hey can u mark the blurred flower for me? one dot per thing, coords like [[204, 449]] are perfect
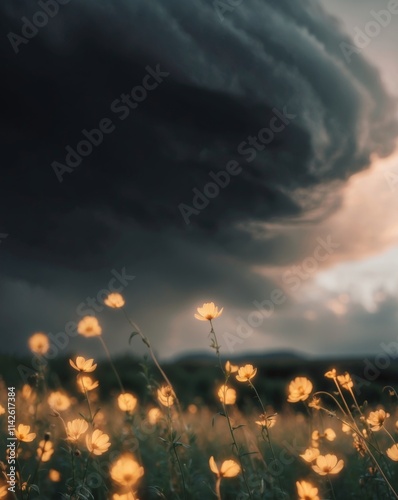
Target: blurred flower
[[327, 464], [328, 434], [393, 452], [208, 312], [345, 381], [22, 433], [299, 389], [166, 395], [89, 327], [306, 491], [86, 383], [124, 496], [331, 374], [2, 410], [192, 409], [76, 428], [315, 403], [3, 491], [346, 428], [154, 414], [45, 450], [83, 364], [126, 471], [376, 419], [98, 443], [54, 476], [310, 454], [266, 422], [127, 402], [39, 343], [227, 395], [229, 368], [27, 392], [246, 373], [229, 468], [114, 300], [58, 401]]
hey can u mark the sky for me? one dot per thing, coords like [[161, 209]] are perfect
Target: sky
[[244, 155]]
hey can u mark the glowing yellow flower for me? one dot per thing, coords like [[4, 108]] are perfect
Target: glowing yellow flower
[[229, 468], [310, 454], [154, 415], [346, 428], [114, 300], [83, 365], [124, 496], [127, 402], [327, 464], [376, 419], [227, 395], [39, 343], [306, 491], [328, 434], [345, 381], [315, 403], [393, 452], [22, 433], [299, 389], [208, 312], [28, 393], [98, 443], [54, 475], [45, 450], [86, 383], [58, 401], [3, 491], [246, 373], [126, 471], [2, 410], [230, 368], [76, 428], [166, 396], [266, 422], [331, 373], [89, 327]]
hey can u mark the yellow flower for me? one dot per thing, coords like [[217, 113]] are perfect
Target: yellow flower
[[126, 471], [124, 496], [22, 433], [345, 381], [89, 327], [299, 389], [54, 475], [346, 428], [28, 393], [310, 454], [208, 312], [98, 443], [45, 450], [86, 383], [376, 419], [114, 300], [328, 434], [76, 428], [39, 343], [127, 402], [83, 365], [227, 395], [246, 373], [315, 403], [266, 422], [327, 464], [229, 468], [3, 491], [331, 373], [306, 491], [166, 396], [2, 410], [393, 452], [58, 401], [229, 368], [154, 415]]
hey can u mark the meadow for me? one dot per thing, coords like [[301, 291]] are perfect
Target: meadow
[[201, 428]]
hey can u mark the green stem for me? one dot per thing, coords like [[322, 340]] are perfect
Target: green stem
[[111, 363]]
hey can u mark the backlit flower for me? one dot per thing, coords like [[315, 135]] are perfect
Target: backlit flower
[[266, 422], [299, 389], [54, 475], [76, 428], [45, 450], [328, 464], [328, 434], [230, 368], [114, 300], [393, 452], [376, 419], [315, 403], [89, 327], [208, 312], [126, 471], [98, 443], [58, 401], [3, 491], [22, 433], [39, 343], [310, 454], [229, 468], [345, 381], [28, 393], [127, 402], [166, 396], [306, 491], [83, 365], [2, 410], [86, 383], [124, 496], [154, 415], [246, 373], [227, 395], [331, 373]]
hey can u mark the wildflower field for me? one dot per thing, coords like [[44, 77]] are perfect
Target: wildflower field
[[85, 436]]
